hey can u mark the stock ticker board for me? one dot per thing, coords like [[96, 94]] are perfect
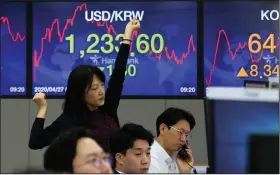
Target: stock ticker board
[[241, 41], [162, 61], [13, 48]]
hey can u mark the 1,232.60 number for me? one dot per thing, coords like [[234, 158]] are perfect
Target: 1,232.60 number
[[143, 46]]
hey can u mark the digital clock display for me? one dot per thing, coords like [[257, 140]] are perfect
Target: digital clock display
[[162, 60]]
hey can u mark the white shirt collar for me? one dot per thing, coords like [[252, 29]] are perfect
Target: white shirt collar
[[161, 162], [162, 154]]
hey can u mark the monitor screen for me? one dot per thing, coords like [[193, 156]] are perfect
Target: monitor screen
[[263, 154], [162, 61], [233, 124], [241, 41], [13, 48]]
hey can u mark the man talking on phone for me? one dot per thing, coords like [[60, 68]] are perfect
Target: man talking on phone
[[170, 153]]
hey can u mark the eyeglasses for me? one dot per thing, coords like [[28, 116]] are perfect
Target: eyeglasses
[[182, 134], [98, 161]]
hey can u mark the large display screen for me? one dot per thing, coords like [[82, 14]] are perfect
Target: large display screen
[[162, 60], [233, 127], [13, 48], [241, 41]]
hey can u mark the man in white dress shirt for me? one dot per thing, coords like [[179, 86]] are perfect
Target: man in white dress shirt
[[173, 131]]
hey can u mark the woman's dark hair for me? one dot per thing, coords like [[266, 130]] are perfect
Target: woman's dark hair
[[79, 80]]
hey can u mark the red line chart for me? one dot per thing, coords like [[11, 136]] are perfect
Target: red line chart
[[15, 37], [241, 46], [61, 30]]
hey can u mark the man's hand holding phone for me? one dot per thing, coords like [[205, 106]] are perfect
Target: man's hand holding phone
[[185, 166]]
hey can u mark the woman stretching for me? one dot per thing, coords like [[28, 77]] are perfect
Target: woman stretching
[[85, 102]]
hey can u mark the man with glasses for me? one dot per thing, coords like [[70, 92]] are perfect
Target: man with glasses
[[173, 132], [131, 148], [76, 151]]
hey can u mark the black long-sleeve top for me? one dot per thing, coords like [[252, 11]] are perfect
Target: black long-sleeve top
[[104, 121]]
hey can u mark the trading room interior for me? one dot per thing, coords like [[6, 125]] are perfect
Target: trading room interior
[[132, 62]]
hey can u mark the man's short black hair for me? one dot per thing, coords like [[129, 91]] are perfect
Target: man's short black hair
[[61, 152], [172, 115], [124, 139]]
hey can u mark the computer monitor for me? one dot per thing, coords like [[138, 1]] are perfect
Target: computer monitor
[[232, 115], [263, 153]]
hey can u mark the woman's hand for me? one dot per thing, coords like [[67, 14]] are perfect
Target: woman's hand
[[40, 100], [132, 26]]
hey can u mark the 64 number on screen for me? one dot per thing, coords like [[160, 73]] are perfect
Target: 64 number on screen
[[256, 46]]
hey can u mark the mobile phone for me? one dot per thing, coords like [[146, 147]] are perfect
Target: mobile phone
[[182, 153]]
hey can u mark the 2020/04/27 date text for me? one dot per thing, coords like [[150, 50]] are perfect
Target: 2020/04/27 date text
[[45, 89]]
